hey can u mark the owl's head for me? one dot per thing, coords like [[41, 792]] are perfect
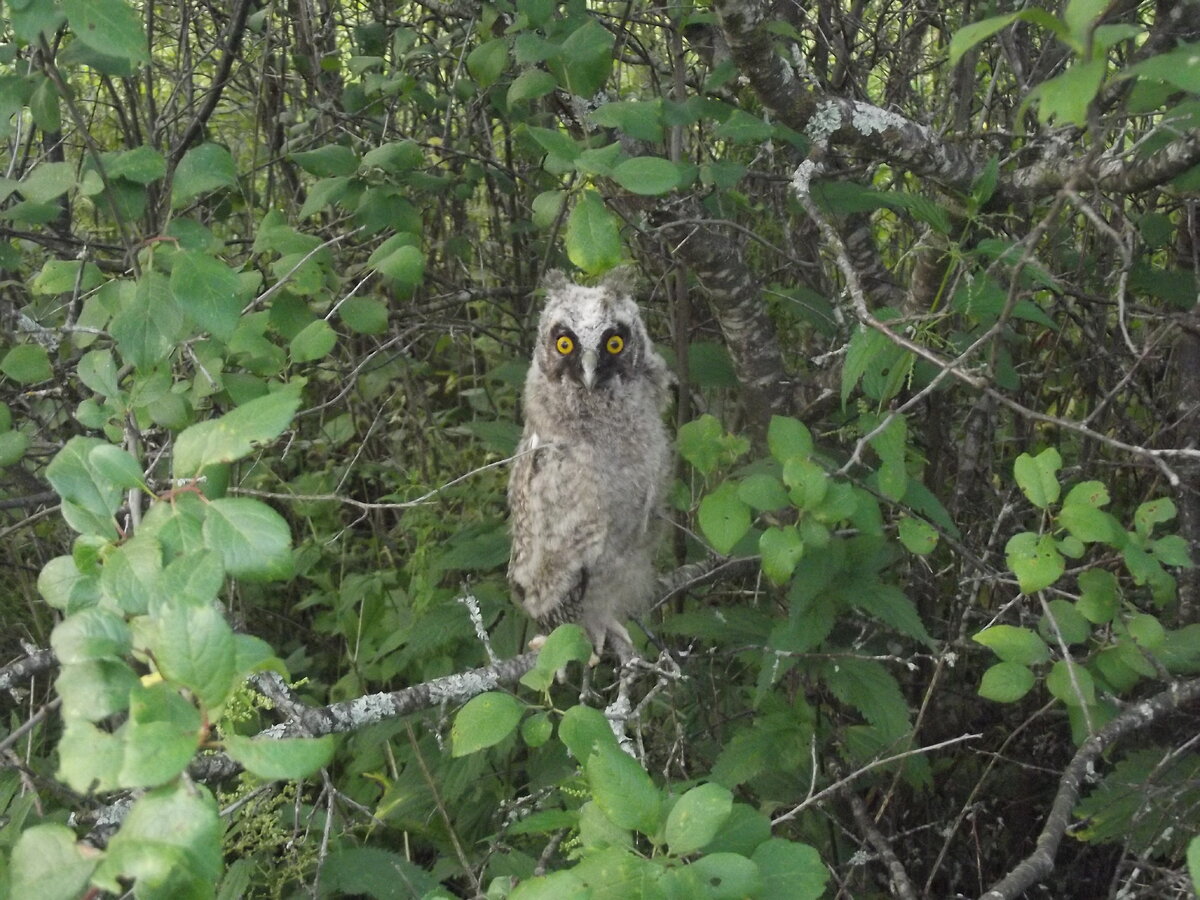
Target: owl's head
[[593, 336]]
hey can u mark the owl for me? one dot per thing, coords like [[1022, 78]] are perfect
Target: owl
[[592, 466]]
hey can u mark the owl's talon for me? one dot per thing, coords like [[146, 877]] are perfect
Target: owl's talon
[[537, 642]]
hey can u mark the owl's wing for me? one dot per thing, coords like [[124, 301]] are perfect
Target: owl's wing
[[557, 533]]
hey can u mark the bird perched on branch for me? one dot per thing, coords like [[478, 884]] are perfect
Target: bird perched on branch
[[592, 465]]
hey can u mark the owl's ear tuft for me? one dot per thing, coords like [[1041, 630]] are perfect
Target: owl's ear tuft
[[554, 280], [621, 281]]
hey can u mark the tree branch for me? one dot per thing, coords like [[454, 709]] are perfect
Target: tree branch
[[1040, 863]]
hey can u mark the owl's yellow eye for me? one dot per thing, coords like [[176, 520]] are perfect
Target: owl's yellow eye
[[615, 344], [564, 345]]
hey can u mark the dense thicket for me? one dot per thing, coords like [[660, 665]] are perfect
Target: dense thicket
[[927, 276]]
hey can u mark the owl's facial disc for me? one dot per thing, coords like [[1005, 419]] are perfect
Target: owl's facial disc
[[589, 359]]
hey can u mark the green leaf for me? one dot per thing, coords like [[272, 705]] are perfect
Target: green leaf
[[917, 535], [763, 492], [394, 157], [1013, 644], [1037, 476], [566, 643], [622, 789], [131, 574], [404, 265], [724, 518], [253, 540], [556, 143], [204, 168], [169, 844], [727, 876], [788, 438], [1147, 631], [583, 729], [977, 32], [1081, 15], [1073, 627], [547, 206], [313, 342], [647, 175], [142, 165], [1193, 862], [194, 647], [1006, 682], [696, 818], [208, 291], [1059, 683], [586, 59], [330, 161], [364, 315], [1151, 513], [791, 870], [890, 444], [116, 466], [484, 721], [372, 872], [110, 27], [872, 690], [160, 737], [90, 634], [529, 85], [98, 370], [487, 62], [1087, 493], [699, 442], [593, 239], [48, 181], [150, 323], [781, 550], [888, 604], [743, 128], [235, 434], [27, 364], [285, 759], [1172, 550], [1066, 97], [1098, 596], [808, 483], [640, 119], [1088, 524], [13, 445], [1035, 561], [95, 689], [49, 864], [536, 730], [89, 498]]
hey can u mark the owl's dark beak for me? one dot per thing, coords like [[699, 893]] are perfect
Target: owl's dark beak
[[587, 361]]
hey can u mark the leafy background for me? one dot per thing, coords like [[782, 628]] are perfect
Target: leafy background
[[927, 276]]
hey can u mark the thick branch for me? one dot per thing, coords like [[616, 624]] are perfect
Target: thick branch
[[25, 668], [1040, 863]]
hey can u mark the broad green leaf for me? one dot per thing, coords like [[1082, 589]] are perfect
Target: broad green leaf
[[1071, 683], [1147, 631], [566, 643], [194, 647], [150, 323], [47, 182], [1066, 97], [1067, 621], [888, 604], [781, 549], [49, 864], [204, 168], [696, 818], [597, 831], [170, 843], [1087, 493], [160, 738], [871, 689], [788, 438], [592, 237], [699, 442], [977, 32], [1088, 524], [322, 194], [142, 165], [116, 466], [547, 207], [364, 315], [586, 59], [724, 518], [743, 128], [65, 588], [622, 789], [1179, 67], [1193, 862], [208, 291], [647, 175], [13, 445], [1037, 476], [807, 482], [640, 119], [582, 729], [1013, 644], [728, 876], [556, 143], [131, 574], [484, 721], [63, 276], [1035, 561], [890, 444], [330, 161], [1097, 596], [93, 498], [236, 433], [487, 62], [404, 265], [395, 156], [373, 872], [95, 689], [286, 759], [98, 370], [1151, 513], [110, 27], [253, 540], [44, 106], [89, 759], [790, 869], [1006, 682], [1172, 550], [27, 364], [1081, 15], [529, 85], [555, 886], [314, 342], [917, 535], [537, 729], [763, 492]]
